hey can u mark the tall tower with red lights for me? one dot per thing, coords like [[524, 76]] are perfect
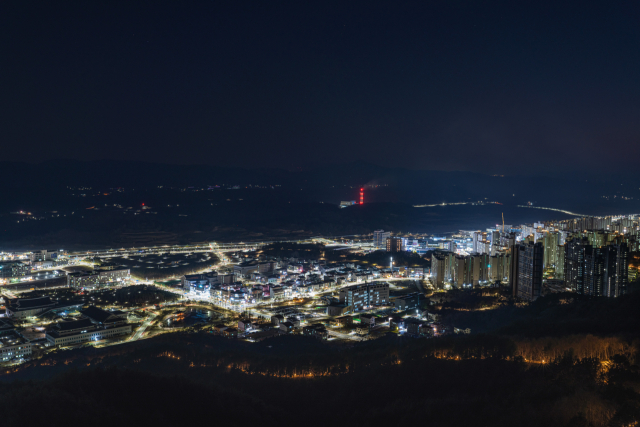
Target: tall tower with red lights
[[362, 196]]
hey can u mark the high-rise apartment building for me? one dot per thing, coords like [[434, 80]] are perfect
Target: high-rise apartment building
[[498, 268], [461, 271], [380, 239], [481, 243], [479, 269], [469, 271], [560, 262], [616, 275], [530, 260], [574, 259], [394, 244], [596, 270], [440, 268], [514, 268], [551, 241]]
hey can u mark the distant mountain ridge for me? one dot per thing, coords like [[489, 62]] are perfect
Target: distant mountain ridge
[[328, 183], [246, 204]]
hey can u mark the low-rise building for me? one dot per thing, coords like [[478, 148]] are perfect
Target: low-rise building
[[277, 292], [13, 269], [396, 322], [13, 346], [105, 317], [414, 325], [277, 319], [39, 265], [21, 308], [336, 309], [199, 283], [266, 267], [286, 327], [316, 330], [219, 328], [244, 325], [368, 319], [294, 321], [230, 333], [363, 329], [407, 302], [43, 255], [226, 278], [343, 321], [256, 294], [245, 269], [263, 335], [416, 272], [46, 275], [96, 325]]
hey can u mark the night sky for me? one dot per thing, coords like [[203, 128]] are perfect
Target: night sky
[[478, 86]]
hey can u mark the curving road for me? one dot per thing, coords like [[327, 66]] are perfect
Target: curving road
[[142, 329]]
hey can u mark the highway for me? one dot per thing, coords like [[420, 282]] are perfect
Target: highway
[[209, 247], [552, 209]]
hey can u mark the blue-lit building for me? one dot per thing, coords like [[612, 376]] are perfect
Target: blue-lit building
[[200, 287]]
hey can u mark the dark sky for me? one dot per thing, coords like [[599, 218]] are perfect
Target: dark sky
[[481, 86]]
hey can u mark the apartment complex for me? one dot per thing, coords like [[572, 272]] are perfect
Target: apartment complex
[[529, 274], [359, 297]]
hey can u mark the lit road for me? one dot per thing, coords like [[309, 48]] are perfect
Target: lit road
[[213, 246], [141, 330], [552, 209], [342, 336]]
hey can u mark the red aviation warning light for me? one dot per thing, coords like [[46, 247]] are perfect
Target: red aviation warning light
[[362, 196]]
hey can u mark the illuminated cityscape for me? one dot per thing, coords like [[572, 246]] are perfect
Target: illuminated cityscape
[[73, 294], [320, 213]]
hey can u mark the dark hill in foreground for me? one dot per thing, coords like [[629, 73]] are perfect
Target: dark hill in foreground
[[517, 375]]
